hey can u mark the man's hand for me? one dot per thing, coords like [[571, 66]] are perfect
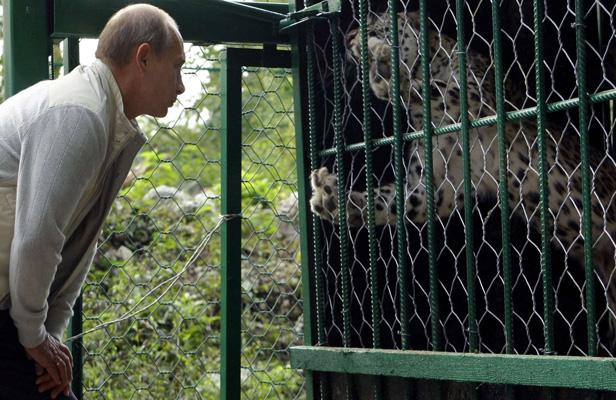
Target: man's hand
[[56, 359], [45, 383]]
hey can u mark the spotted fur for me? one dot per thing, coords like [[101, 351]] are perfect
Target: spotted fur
[[563, 157]]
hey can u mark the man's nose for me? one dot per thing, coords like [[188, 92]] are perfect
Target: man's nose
[[181, 87]]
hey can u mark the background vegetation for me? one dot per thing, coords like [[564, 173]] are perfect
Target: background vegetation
[[169, 205]]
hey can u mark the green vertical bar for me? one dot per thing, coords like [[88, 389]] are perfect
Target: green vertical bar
[[503, 187], [301, 85], [316, 231], [399, 174], [26, 43], [231, 297], [466, 160], [503, 190], [372, 247], [548, 296], [76, 328], [372, 250], [343, 234], [428, 176], [71, 60], [342, 223], [580, 37], [314, 164]]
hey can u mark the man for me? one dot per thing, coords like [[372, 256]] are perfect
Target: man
[[65, 148]]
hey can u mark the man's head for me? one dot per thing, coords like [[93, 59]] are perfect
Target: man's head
[[144, 49]]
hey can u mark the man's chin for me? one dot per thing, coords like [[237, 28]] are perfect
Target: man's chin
[[160, 114]]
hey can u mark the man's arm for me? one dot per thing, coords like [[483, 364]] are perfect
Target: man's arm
[[61, 153], [61, 308]]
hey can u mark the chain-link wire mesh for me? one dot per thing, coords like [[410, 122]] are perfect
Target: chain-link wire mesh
[[568, 287], [168, 209]]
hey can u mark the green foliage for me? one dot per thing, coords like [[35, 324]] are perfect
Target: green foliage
[[170, 203]]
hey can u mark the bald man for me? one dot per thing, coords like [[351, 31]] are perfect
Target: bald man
[[65, 148]]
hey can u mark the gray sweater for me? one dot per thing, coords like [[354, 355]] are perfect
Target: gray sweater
[[65, 148]]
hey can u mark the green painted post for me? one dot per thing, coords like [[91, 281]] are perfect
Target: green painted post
[[375, 304], [548, 295], [342, 198], [503, 190], [304, 121], [71, 60], [428, 173], [27, 46], [503, 187], [399, 173], [342, 223], [466, 161], [583, 108], [372, 245], [316, 238], [231, 235]]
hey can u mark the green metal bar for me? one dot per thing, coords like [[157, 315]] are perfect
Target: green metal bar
[[342, 224], [322, 10], [466, 161], [314, 164], [428, 130], [27, 46], [249, 10], [372, 245], [231, 149], [546, 266], [399, 174], [267, 58], [503, 188], [304, 121], [580, 37], [75, 329], [71, 60], [603, 96], [342, 214], [316, 231], [226, 21], [372, 248], [316, 9], [549, 371], [231, 235]]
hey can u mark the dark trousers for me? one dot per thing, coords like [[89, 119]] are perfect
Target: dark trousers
[[17, 374]]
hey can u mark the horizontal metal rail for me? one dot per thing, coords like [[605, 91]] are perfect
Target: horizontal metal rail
[[481, 122], [226, 21], [550, 371]]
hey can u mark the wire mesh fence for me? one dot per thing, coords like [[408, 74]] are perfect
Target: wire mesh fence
[[159, 256], [472, 232]]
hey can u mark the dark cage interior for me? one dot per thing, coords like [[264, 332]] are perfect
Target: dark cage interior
[[565, 229]]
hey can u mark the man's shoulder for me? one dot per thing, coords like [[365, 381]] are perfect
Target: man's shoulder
[[80, 88]]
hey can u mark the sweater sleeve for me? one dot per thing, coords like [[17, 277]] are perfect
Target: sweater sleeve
[[61, 308], [62, 151]]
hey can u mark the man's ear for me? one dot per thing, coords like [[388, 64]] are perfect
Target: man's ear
[[143, 56]]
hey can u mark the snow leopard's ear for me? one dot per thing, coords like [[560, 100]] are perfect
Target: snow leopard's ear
[[411, 19], [376, 19]]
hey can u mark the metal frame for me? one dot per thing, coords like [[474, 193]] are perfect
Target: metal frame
[[231, 232], [25, 22], [550, 371], [209, 21], [36, 22]]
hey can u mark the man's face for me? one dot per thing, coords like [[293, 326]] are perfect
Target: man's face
[[165, 78]]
